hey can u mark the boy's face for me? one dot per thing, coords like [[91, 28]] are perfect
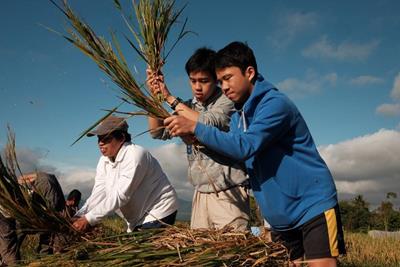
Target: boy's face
[[236, 85], [203, 85]]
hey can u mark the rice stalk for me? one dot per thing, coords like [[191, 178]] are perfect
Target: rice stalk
[[155, 19], [175, 246], [16, 200], [110, 59]]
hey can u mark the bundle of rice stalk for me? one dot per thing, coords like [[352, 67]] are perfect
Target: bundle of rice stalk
[[155, 19], [110, 59], [17, 200], [175, 246]]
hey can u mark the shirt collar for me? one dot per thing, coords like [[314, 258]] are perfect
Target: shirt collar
[[217, 93], [121, 154]]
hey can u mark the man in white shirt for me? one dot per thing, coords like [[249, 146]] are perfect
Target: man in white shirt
[[129, 181]]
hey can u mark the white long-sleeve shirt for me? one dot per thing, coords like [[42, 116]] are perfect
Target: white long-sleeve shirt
[[134, 186]]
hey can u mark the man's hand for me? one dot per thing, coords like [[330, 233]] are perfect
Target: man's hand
[[155, 82], [81, 224], [179, 125]]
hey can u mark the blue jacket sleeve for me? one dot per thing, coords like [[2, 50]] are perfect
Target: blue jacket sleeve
[[271, 120]]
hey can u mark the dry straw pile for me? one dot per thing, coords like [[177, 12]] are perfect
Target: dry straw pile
[[173, 246], [18, 200]]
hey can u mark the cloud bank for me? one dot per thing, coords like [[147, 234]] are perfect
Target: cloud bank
[[346, 50], [392, 109], [172, 158], [367, 165], [291, 25], [311, 83], [365, 80]]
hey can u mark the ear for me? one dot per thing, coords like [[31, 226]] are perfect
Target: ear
[[123, 138], [250, 73]]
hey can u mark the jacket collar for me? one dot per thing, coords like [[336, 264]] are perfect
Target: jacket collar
[[261, 87]]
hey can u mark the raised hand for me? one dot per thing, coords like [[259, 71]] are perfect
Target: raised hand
[[155, 82], [179, 125]]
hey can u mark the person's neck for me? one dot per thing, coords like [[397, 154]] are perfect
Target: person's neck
[[112, 159]]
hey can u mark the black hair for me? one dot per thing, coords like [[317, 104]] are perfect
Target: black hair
[[236, 54], [75, 194], [119, 135], [203, 59]]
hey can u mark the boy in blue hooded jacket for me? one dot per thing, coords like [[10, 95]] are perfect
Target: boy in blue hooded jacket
[[291, 183]]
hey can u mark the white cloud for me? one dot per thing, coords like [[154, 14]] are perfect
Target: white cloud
[[367, 165], [313, 82], [346, 50], [357, 187], [388, 109], [365, 80], [395, 94], [172, 158], [392, 109], [81, 178], [69, 177], [30, 160], [291, 25]]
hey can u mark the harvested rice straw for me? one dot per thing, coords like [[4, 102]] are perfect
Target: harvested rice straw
[[16, 200], [155, 19], [110, 59], [176, 246]]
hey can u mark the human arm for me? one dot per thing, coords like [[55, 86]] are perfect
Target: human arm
[[156, 128], [81, 224], [156, 84], [121, 186], [272, 119], [98, 191]]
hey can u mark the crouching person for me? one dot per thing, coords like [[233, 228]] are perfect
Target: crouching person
[[129, 181], [47, 191]]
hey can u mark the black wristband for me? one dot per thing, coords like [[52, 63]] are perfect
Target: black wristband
[[175, 103]]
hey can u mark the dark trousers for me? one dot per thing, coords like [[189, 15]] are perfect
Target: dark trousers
[[169, 220], [9, 248], [10, 241]]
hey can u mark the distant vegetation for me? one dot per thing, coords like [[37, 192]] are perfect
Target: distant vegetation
[[357, 217]]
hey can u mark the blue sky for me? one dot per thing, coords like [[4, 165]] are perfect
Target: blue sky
[[338, 60]]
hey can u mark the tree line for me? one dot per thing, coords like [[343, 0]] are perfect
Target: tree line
[[357, 216]]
